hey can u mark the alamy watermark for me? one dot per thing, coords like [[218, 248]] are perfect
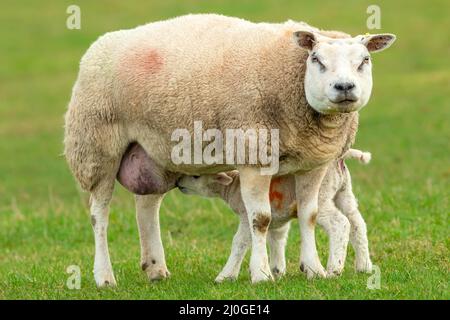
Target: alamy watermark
[[232, 147], [74, 280], [374, 19], [74, 19], [374, 281]]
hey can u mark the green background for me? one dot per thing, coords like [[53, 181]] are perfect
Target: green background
[[403, 193]]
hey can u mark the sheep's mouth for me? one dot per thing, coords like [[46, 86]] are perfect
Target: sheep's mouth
[[344, 102], [341, 106]]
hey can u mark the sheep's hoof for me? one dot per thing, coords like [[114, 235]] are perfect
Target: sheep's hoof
[[333, 273], [278, 272], [155, 271], [335, 269], [261, 276], [363, 265], [158, 274], [104, 279], [313, 270], [223, 278]]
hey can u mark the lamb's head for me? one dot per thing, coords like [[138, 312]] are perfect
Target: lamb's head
[[338, 74], [208, 185]]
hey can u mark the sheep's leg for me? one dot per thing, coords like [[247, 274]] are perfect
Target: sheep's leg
[[153, 261], [307, 189], [241, 242], [99, 203], [277, 243], [255, 195], [346, 201], [337, 227]]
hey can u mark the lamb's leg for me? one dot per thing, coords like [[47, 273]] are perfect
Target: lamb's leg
[[241, 242], [255, 195], [277, 243], [153, 261], [347, 203], [307, 189], [99, 203], [337, 227]]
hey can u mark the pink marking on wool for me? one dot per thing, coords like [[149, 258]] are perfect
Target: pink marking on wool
[[152, 61], [149, 61]]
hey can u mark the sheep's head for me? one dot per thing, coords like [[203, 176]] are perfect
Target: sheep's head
[[338, 74], [208, 185]]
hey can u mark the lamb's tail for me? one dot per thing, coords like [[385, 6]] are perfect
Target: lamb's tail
[[362, 157]]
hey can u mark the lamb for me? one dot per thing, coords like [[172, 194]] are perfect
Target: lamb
[[338, 214], [140, 85]]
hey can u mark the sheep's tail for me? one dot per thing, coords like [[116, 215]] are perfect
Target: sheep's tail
[[361, 156]]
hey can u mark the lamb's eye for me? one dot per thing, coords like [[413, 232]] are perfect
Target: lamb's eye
[[196, 177]]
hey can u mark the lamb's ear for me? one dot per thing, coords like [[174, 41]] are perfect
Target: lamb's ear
[[305, 39], [378, 42], [223, 179]]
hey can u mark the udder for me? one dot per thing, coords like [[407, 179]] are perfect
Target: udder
[[141, 175]]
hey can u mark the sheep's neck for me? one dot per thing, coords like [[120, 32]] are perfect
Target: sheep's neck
[[318, 138]]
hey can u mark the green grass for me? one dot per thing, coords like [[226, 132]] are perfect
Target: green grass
[[44, 222]]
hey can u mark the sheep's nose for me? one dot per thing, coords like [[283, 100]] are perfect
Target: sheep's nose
[[344, 86]]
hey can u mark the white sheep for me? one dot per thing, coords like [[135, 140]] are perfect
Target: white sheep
[[141, 85], [338, 215]]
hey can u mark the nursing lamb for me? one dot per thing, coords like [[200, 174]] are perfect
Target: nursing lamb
[[338, 214]]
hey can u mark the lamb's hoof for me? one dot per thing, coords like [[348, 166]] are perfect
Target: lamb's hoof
[[335, 269], [363, 265], [225, 277], [104, 279], [333, 273], [278, 272], [313, 270]]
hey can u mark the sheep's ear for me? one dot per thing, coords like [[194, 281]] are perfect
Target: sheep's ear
[[378, 42], [223, 179], [305, 39]]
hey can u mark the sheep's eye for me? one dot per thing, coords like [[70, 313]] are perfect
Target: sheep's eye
[[314, 59], [196, 177], [366, 60]]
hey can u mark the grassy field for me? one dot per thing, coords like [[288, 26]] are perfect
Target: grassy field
[[44, 222]]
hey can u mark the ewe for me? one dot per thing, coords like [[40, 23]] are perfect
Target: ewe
[[140, 85]]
